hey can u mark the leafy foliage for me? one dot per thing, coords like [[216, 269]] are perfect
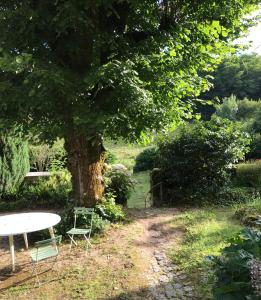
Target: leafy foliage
[[248, 214], [238, 75], [82, 70], [198, 159], [234, 279], [232, 195], [52, 192], [146, 160], [110, 157], [120, 184], [228, 109], [109, 210], [44, 157], [131, 75], [248, 112], [14, 162]]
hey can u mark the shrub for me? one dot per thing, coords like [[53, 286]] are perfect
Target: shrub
[[14, 162], [51, 192], [247, 108], [234, 195], [249, 213], [120, 184], [235, 267], [197, 161], [255, 147], [249, 174], [45, 157], [110, 157], [109, 210], [228, 109], [146, 160]]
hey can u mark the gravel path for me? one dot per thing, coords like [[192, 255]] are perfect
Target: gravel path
[[165, 280]]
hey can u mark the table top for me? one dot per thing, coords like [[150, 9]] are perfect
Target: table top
[[27, 222]]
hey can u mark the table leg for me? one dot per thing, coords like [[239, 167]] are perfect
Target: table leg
[[52, 236], [51, 232], [11, 244], [25, 240]]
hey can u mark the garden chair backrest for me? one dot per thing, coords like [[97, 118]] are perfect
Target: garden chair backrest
[[48, 247], [84, 211]]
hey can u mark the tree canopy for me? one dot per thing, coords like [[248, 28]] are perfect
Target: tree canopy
[[84, 69], [237, 75]]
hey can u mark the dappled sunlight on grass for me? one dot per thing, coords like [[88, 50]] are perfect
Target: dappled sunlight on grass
[[206, 233]]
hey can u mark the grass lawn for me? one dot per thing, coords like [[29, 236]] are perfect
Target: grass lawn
[[126, 154], [206, 232]]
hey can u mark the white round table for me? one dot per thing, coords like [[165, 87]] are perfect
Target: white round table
[[24, 223]]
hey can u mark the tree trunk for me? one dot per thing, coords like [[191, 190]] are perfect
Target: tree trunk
[[86, 165]]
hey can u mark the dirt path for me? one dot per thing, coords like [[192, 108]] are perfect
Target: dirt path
[[128, 262]]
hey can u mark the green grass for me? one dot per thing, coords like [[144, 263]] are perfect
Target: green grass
[[141, 188], [126, 154], [248, 212], [206, 232]]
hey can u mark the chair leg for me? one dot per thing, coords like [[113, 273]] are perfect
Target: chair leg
[[88, 241], [72, 241], [34, 272]]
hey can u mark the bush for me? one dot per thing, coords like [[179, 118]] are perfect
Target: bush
[[249, 174], [53, 192], [45, 157], [197, 161], [235, 268], [146, 160], [14, 162], [109, 210], [247, 109], [228, 109], [255, 147], [110, 158], [120, 184], [248, 214], [234, 195]]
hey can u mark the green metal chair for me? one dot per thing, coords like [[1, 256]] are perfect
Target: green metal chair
[[86, 232], [43, 250]]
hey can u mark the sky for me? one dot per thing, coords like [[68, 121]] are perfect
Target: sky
[[255, 37]]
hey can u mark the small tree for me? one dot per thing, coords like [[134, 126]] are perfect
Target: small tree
[[14, 162]]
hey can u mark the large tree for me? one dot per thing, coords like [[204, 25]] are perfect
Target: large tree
[[88, 68]]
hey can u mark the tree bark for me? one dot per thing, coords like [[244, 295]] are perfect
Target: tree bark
[[86, 165]]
